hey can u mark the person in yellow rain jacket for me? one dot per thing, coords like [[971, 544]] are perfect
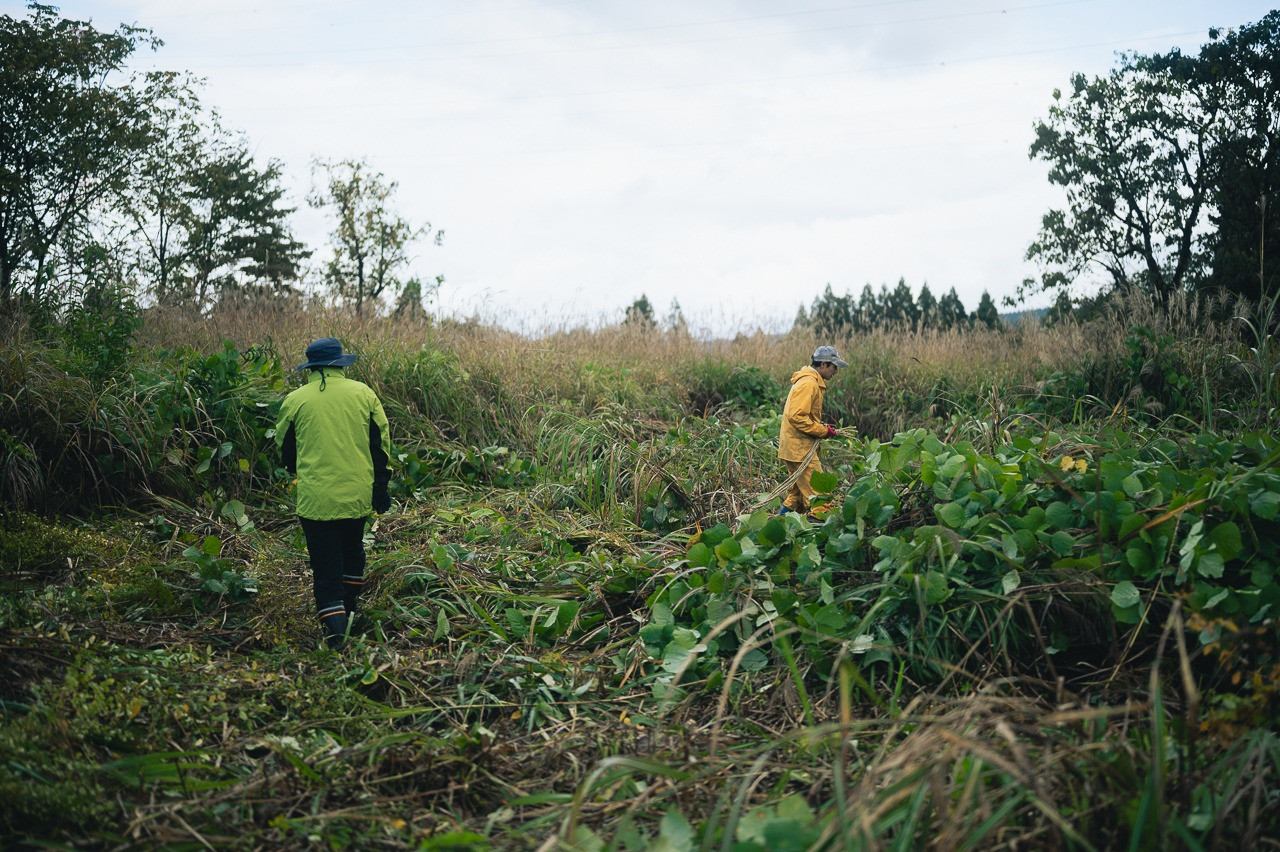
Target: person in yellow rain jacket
[[802, 425], [333, 434]]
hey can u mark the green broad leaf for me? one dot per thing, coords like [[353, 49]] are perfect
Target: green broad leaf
[[1062, 543], [1227, 540], [675, 834], [1010, 545], [653, 634], [442, 624], [700, 556], [753, 661], [842, 543], [951, 468], [716, 534], [728, 549], [1210, 565], [810, 557], [884, 543], [716, 582], [1138, 555], [1026, 541], [829, 617], [773, 533], [1217, 598], [1265, 504], [1131, 524], [951, 514], [516, 621], [824, 482], [935, 587], [1131, 485], [1010, 581], [795, 808], [662, 615], [370, 676], [1125, 595], [212, 545], [1059, 515]]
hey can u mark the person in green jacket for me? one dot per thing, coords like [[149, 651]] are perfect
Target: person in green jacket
[[333, 435], [802, 425]]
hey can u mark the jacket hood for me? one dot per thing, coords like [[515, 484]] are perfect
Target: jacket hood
[[810, 372]]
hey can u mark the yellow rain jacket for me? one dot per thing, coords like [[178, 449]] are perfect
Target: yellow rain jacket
[[333, 431], [802, 416]]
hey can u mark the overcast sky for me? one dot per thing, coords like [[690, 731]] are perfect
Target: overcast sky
[[734, 155]]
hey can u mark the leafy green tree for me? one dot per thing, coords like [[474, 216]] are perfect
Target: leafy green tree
[[951, 312], [70, 133], [1243, 68], [926, 307], [238, 235], [1061, 310], [675, 321], [900, 306], [870, 309], [987, 314], [640, 313], [1163, 161], [832, 314], [370, 241], [206, 220]]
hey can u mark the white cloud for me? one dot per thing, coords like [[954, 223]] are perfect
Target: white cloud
[[737, 156]]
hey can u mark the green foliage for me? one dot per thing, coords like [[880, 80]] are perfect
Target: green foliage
[[931, 535], [370, 240], [68, 132], [640, 314], [218, 576], [1160, 150]]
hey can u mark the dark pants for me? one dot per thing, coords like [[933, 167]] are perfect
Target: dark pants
[[336, 551]]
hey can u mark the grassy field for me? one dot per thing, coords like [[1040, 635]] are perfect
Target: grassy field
[[1042, 613]]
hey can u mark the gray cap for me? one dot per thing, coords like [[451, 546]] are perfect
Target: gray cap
[[829, 353]]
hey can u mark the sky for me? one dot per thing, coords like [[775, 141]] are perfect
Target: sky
[[731, 156]]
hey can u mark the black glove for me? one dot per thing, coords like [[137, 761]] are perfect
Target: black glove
[[381, 500]]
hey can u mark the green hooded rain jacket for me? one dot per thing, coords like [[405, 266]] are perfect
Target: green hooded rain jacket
[[333, 433]]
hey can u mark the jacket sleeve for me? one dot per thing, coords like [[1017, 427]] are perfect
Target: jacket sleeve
[[287, 438], [801, 415], [379, 447]]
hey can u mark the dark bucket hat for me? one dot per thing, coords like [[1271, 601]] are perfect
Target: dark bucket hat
[[327, 352]]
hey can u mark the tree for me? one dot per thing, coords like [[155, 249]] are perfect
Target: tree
[[640, 314], [900, 307], [1244, 65], [1163, 161], [986, 315], [238, 235], [206, 220], [69, 134], [832, 314], [951, 312], [870, 309], [926, 307], [370, 241], [674, 320], [1061, 309]]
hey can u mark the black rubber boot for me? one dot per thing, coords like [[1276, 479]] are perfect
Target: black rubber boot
[[335, 627]]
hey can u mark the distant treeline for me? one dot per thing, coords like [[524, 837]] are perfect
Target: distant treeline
[[897, 308]]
